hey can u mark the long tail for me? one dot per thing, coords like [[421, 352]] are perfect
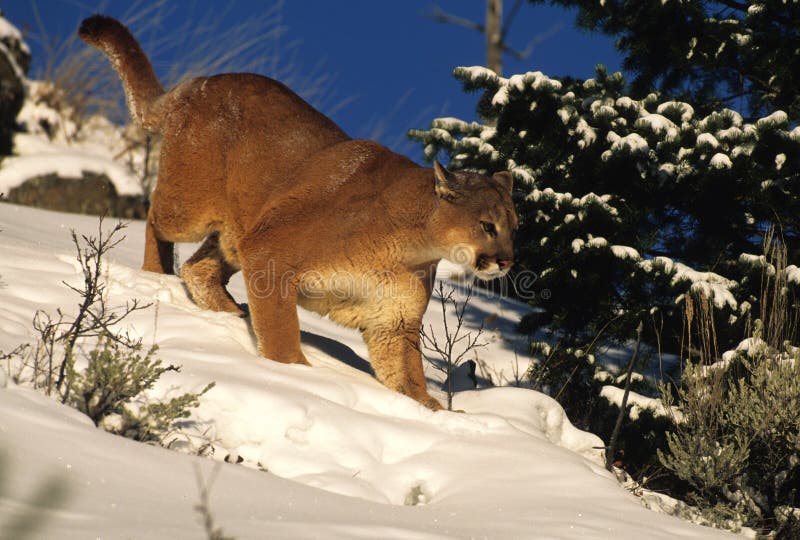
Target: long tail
[[128, 59]]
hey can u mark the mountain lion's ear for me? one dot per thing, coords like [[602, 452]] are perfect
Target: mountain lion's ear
[[445, 183], [505, 179]]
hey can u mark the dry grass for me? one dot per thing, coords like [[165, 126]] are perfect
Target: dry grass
[[84, 80], [778, 314]]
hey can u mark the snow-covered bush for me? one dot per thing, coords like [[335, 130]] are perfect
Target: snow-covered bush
[[627, 204], [110, 391], [739, 444]]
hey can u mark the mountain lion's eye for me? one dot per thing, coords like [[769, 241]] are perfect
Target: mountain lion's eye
[[489, 228]]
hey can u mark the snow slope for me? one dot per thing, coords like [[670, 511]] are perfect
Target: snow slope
[[346, 457]]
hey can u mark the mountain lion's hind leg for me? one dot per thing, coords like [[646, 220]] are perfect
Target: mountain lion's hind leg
[[159, 255], [206, 273]]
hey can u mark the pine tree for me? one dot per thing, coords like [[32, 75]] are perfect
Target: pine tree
[[726, 53], [629, 203], [636, 197]]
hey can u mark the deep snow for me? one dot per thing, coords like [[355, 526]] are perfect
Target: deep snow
[[345, 455]]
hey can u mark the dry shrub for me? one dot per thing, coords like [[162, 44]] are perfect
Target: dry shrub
[[736, 441]]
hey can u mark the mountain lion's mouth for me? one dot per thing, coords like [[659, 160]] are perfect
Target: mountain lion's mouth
[[484, 267], [487, 268], [488, 275]]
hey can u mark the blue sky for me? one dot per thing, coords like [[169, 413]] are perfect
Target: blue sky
[[381, 66]]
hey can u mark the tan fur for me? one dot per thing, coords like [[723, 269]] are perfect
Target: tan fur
[[342, 227]]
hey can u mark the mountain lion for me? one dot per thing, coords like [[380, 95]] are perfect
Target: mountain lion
[[342, 227]]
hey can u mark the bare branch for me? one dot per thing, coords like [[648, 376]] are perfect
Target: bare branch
[[439, 15], [512, 14], [532, 44], [452, 338], [93, 319]]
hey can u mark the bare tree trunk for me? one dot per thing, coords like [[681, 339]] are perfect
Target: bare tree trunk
[[494, 36], [610, 451]]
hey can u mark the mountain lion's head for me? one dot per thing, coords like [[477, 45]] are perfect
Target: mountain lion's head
[[476, 217]]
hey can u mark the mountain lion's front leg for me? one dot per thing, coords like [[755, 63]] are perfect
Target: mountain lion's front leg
[[395, 357], [273, 314]]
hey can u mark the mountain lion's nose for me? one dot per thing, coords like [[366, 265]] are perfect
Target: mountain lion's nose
[[504, 264]]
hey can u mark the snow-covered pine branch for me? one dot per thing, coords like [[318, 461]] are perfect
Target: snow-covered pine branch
[[685, 191]]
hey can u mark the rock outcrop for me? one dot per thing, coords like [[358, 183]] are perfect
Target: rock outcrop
[[91, 194]]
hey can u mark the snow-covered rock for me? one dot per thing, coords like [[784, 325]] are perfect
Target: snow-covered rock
[[91, 166]]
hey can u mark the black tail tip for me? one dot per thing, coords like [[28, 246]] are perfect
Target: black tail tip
[[93, 26]]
